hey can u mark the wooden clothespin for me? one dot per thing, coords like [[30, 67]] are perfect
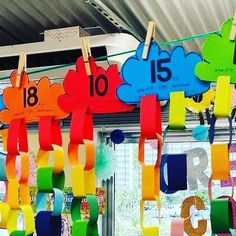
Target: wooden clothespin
[[149, 37], [84, 41], [233, 29], [21, 68]]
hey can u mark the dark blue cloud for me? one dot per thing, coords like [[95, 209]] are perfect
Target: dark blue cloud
[[163, 72]]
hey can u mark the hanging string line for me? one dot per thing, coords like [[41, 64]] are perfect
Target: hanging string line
[[102, 58]]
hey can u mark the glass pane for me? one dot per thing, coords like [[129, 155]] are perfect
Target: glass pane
[[128, 190]]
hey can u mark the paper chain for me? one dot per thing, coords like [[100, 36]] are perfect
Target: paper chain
[[51, 178]]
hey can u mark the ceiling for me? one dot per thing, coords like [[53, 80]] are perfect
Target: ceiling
[[24, 21]]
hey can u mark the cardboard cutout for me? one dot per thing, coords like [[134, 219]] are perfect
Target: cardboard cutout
[[219, 56], [162, 73]]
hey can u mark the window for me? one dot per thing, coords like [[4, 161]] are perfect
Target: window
[[128, 190]]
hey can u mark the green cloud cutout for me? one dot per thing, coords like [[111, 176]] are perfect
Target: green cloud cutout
[[218, 54]]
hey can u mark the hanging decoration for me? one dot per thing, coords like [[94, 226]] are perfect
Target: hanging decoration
[[218, 52], [161, 73], [105, 162], [152, 75], [33, 102], [88, 90], [200, 133], [117, 136]]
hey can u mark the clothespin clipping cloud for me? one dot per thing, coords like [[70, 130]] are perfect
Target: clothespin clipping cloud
[[161, 73]]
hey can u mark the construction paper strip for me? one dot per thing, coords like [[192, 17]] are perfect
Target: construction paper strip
[[177, 111], [185, 213], [17, 137], [90, 184], [220, 161], [24, 194], [49, 133], [11, 167], [89, 152], [80, 179], [92, 229], [223, 97], [150, 117], [3, 176], [177, 171], [76, 208], [4, 134], [147, 231], [212, 130], [58, 198], [141, 150], [12, 194], [163, 185], [177, 227], [219, 216], [150, 182], [48, 225], [81, 126], [14, 189], [4, 211], [94, 209], [47, 180], [18, 233], [59, 158], [28, 215], [80, 228]]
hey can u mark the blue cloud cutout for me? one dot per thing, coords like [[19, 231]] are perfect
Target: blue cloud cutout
[[2, 105], [163, 72]]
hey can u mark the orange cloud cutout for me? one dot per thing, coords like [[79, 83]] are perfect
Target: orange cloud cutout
[[31, 100]]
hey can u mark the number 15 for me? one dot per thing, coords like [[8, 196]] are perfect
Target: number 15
[[160, 69]]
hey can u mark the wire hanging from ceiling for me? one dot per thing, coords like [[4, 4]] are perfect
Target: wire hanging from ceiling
[[104, 58]]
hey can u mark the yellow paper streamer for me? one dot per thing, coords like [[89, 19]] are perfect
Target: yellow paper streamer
[[28, 214], [4, 211], [223, 98], [59, 159]]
